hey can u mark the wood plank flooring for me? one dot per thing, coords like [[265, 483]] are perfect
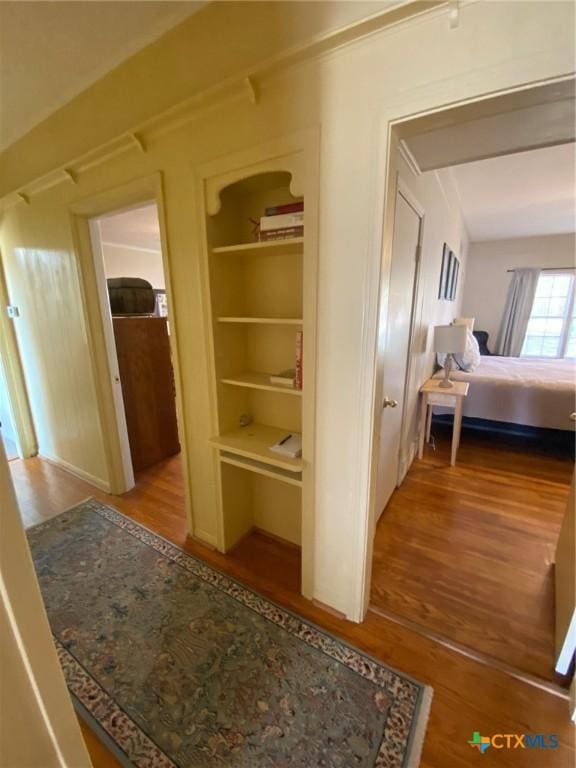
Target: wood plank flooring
[[466, 552], [468, 695]]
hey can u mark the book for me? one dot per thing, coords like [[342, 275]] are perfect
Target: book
[[276, 210], [281, 221], [282, 234], [290, 446], [299, 380], [285, 378]]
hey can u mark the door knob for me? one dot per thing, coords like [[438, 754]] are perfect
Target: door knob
[[389, 403], [573, 416]]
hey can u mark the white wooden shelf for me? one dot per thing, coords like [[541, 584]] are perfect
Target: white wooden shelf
[[255, 380], [276, 247], [254, 442], [262, 320], [260, 468]]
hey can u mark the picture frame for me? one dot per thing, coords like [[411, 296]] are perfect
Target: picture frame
[[449, 271], [443, 271]]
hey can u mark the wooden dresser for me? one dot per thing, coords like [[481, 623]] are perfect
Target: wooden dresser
[[147, 378]]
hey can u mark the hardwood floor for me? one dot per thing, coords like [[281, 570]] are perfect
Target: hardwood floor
[[468, 695], [466, 552]]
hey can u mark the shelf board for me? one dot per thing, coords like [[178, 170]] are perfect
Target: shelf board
[[253, 442], [254, 380], [262, 320], [260, 468], [288, 245]]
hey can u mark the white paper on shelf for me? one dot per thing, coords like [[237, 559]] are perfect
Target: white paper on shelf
[[291, 447]]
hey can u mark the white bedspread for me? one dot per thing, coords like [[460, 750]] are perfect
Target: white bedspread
[[537, 392]]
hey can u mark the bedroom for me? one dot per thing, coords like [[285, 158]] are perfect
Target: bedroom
[[465, 547]]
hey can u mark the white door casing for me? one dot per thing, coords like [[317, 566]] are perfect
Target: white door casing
[[401, 301], [565, 590]]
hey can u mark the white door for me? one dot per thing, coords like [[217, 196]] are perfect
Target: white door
[[405, 254]]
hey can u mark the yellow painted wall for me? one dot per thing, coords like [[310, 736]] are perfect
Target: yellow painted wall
[[38, 726], [350, 94], [43, 282]]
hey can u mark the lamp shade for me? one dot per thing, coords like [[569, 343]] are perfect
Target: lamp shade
[[450, 338]]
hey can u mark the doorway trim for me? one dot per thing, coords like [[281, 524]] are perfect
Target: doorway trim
[[405, 460], [102, 348], [14, 377], [428, 101]]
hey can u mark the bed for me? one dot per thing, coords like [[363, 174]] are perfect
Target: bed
[[536, 392]]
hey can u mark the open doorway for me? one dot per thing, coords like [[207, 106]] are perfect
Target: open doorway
[[465, 547], [129, 245]]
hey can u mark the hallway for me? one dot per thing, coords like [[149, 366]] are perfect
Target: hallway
[[468, 694]]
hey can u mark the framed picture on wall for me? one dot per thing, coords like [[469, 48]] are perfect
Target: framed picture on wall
[[449, 270], [454, 280], [444, 272]]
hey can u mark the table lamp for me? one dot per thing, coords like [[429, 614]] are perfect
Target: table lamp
[[449, 340]]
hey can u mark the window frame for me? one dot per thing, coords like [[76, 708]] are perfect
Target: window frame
[[566, 320]]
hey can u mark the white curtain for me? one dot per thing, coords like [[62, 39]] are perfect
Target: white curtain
[[517, 312]]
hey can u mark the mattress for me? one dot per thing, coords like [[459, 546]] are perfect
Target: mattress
[[536, 392]]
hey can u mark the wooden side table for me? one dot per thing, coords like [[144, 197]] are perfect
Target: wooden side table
[[433, 394]]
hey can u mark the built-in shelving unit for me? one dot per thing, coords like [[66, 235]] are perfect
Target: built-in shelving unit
[[257, 310], [261, 297]]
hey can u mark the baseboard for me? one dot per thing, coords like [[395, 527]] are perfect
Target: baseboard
[[103, 485]]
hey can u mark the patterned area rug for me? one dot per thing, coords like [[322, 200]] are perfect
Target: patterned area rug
[[182, 667]]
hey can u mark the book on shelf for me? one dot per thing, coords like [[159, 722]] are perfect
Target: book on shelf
[[282, 234], [298, 381], [281, 221], [277, 210], [290, 445], [284, 378]]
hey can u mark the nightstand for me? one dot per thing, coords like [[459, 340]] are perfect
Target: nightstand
[[433, 394]]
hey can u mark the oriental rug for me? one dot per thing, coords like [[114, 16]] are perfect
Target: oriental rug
[[179, 666]]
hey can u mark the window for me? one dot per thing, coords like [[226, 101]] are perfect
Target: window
[[551, 329]]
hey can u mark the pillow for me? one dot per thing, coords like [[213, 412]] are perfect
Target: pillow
[[468, 360]]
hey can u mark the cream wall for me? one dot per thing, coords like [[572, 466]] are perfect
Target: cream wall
[[350, 93], [487, 279], [120, 261]]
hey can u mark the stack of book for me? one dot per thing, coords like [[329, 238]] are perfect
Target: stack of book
[[282, 221]]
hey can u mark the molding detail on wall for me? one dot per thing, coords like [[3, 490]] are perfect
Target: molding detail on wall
[[241, 86]]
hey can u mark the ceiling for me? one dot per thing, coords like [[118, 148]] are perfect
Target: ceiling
[[136, 228], [519, 195], [52, 51]]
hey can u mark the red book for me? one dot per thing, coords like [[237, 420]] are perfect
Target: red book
[[277, 210], [299, 380]]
